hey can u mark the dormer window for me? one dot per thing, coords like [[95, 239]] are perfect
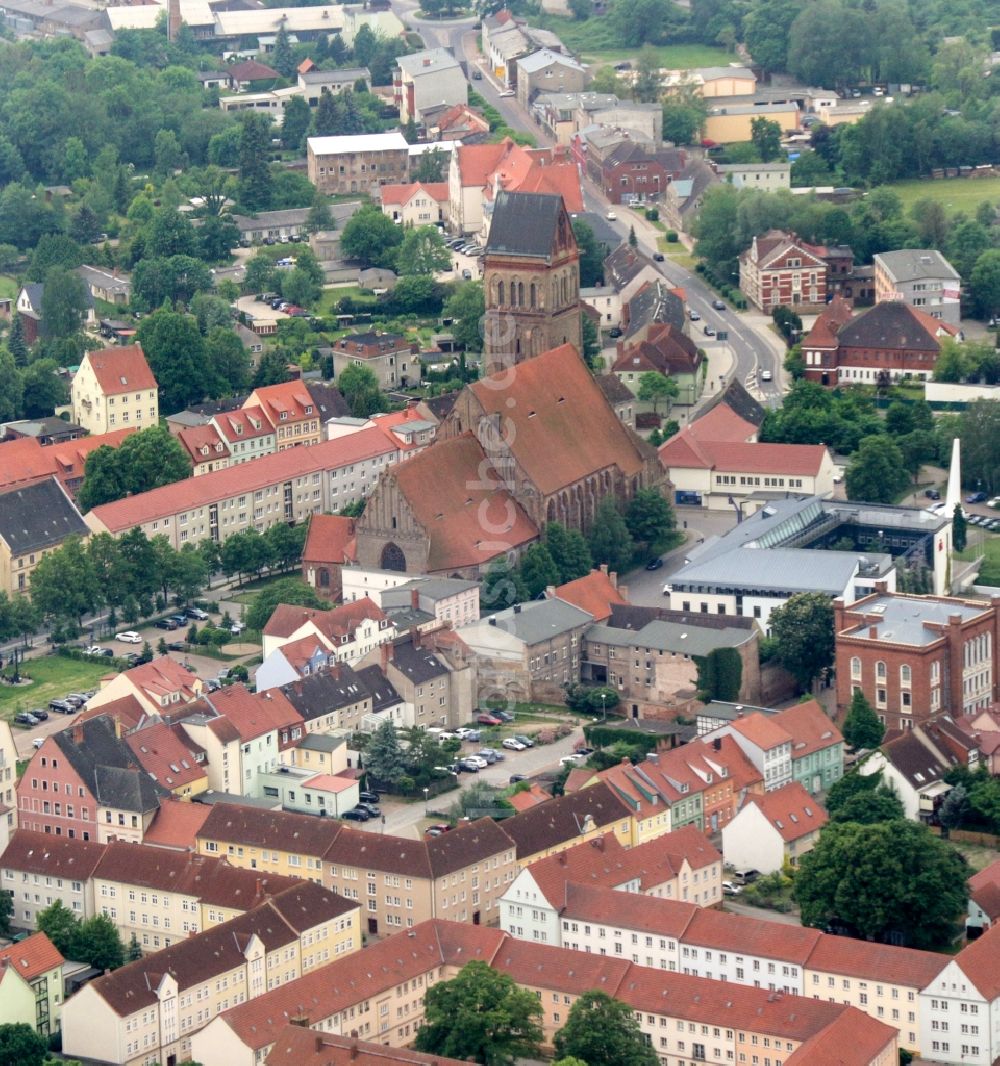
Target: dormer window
[[309, 410], [284, 416]]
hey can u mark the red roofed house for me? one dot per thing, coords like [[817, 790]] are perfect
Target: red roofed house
[[664, 350], [247, 432], [291, 410], [31, 984], [721, 470], [773, 829], [176, 825], [114, 389], [24, 459], [984, 900], [243, 75], [158, 686], [173, 761], [456, 123], [595, 593], [352, 629], [781, 270], [330, 543], [206, 448], [417, 204], [298, 1046]]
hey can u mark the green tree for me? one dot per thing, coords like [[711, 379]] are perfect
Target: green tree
[[6, 911], [481, 1015], [862, 729], [272, 369], [299, 288], [847, 53], [683, 118], [632, 239], [869, 807], [295, 123], [20, 1045], [59, 924], [282, 56], [951, 366], [501, 587], [359, 386], [802, 628], [984, 283], [884, 879], [959, 529], [227, 362], [175, 351], [954, 809], [43, 390], [431, 167], [423, 251], [538, 570], [383, 758], [319, 218], [170, 233], [97, 942], [11, 387], [609, 539], [766, 28], [54, 250], [877, 473], [145, 460], [466, 308], [64, 586], [290, 590], [655, 387], [850, 785], [64, 303], [591, 254], [568, 550], [255, 189], [766, 137], [371, 237], [647, 84], [168, 154], [591, 341], [651, 522], [16, 344], [603, 1031]]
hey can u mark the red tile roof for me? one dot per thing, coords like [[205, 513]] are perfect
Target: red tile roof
[[448, 487], [978, 961], [299, 652], [176, 824], [252, 714], [71, 456], [718, 930], [164, 677], [121, 370], [794, 460], [218, 485], [330, 539], [401, 194], [762, 730], [340, 622], [247, 423], [530, 797], [631, 910], [296, 1046], [594, 593], [43, 853], [519, 170], [875, 962], [33, 956], [330, 783], [290, 398], [165, 757], [204, 444], [24, 459], [853, 1039], [722, 423], [127, 711], [792, 811], [824, 330], [741, 771], [810, 728], [554, 444], [253, 827]]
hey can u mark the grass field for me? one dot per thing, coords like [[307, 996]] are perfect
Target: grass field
[[956, 194], [331, 297], [986, 544], [594, 41], [52, 677], [8, 287]]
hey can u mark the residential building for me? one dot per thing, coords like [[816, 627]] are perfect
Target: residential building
[[531, 279], [44, 431], [653, 303], [765, 744], [105, 792], [171, 760], [891, 341], [357, 163], [269, 225], [152, 1007], [781, 270], [917, 657], [455, 124], [447, 599], [389, 356], [287, 487], [339, 700], [635, 173], [665, 350], [35, 519], [427, 79], [69, 458], [597, 593], [246, 433], [817, 746], [114, 388], [435, 690], [40, 869], [353, 629], [683, 197], [768, 177], [108, 285], [314, 83], [921, 278], [158, 687], [984, 900], [8, 779], [31, 985], [293, 660], [915, 770], [291, 409], [416, 204], [301, 1047], [730, 119], [771, 830], [546, 71], [206, 448]]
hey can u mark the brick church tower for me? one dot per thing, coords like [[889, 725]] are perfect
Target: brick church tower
[[531, 279]]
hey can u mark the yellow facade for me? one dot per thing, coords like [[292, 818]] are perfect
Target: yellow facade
[[729, 126], [274, 860], [894, 1004]]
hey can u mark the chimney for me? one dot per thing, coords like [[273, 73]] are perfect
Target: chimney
[[613, 578], [173, 19], [604, 569], [354, 1050], [492, 620], [78, 733], [415, 636], [517, 608], [427, 61], [415, 599], [550, 591], [622, 590], [562, 858], [385, 651], [717, 743]]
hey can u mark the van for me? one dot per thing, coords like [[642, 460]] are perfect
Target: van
[[746, 877]]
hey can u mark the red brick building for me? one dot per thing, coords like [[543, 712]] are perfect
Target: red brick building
[[917, 657], [634, 172], [781, 270]]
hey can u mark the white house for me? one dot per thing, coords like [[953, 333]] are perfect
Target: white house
[[765, 743], [778, 826], [913, 771]]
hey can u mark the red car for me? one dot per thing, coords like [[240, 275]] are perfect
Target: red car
[[488, 719]]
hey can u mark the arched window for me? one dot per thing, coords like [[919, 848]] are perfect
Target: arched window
[[856, 667], [520, 294], [393, 558], [533, 296], [323, 576], [499, 294], [880, 670], [905, 675]]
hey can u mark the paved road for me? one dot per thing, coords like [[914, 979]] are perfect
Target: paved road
[[760, 912]]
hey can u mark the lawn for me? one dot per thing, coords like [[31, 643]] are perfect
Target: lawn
[[956, 194], [988, 544], [331, 297], [8, 287], [594, 41], [52, 677]]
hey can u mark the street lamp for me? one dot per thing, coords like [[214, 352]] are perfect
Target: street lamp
[[427, 793], [604, 706]]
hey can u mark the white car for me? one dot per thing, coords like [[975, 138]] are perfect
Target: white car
[[513, 744], [611, 216], [508, 92], [236, 628], [129, 637], [729, 889], [766, 375], [476, 760], [575, 757]]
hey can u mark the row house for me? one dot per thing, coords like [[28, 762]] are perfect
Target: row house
[[338, 698], [285, 488], [149, 1010], [353, 629], [30, 459], [303, 1047], [774, 830], [206, 449], [39, 869], [8, 780], [292, 411], [31, 985]]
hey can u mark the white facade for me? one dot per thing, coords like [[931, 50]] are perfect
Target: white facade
[[774, 764], [957, 1023], [527, 914], [778, 975], [606, 302], [750, 842], [915, 801]]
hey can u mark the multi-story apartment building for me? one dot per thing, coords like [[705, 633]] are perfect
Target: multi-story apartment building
[[35, 520], [292, 410], [427, 80], [40, 869], [917, 657], [248, 434], [389, 356], [8, 779], [148, 1010], [922, 278], [159, 687], [352, 629], [285, 488], [115, 388], [358, 163]]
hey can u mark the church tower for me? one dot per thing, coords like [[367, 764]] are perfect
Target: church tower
[[531, 279]]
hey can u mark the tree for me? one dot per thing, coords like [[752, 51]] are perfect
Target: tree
[[64, 585], [959, 529], [170, 233], [20, 1045], [359, 386], [538, 570], [282, 57], [64, 303], [54, 250], [272, 369], [255, 187], [632, 239], [609, 540], [298, 287], [604, 1032], [877, 473], [43, 390], [766, 137], [502, 586], [862, 729], [954, 809], [568, 551], [984, 283], [890, 878], [295, 123], [97, 942], [175, 351], [591, 254], [6, 911], [383, 758], [423, 251], [802, 629], [481, 1015], [647, 84], [650, 521], [371, 237], [635, 22], [11, 387], [591, 342], [168, 154], [871, 806], [59, 924], [319, 217], [683, 118], [765, 32], [842, 61], [290, 590], [466, 308], [227, 362], [16, 344], [431, 167], [655, 387], [145, 460]]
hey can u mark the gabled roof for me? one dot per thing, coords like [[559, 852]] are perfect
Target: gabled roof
[[876, 962], [32, 957], [38, 516], [251, 70], [24, 459], [914, 761], [791, 810], [593, 593], [563, 819], [853, 1037], [251, 714], [893, 325], [44, 853], [330, 689], [665, 349], [628, 910], [526, 224], [810, 728], [329, 539], [717, 930], [70, 456], [254, 827], [402, 194], [163, 677], [624, 264], [176, 824], [722, 423], [984, 888], [655, 302], [121, 370], [914, 264], [204, 443], [736, 397], [978, 961], [165, 756], [246, 423], [544, 58], [828, 324], [127, 712], [762, 730]]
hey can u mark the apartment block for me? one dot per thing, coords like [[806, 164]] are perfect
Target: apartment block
[[359, 163]]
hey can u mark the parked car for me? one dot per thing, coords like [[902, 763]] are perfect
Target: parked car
[[369, 796], [694, 316], [507, 92], [488, 719], [729, 889], [167, 623], [719, 305], [467, 274], [477, 761], [513, 744], [371, 808], [237, 628], [504, 716], [573, 758], [356, 814], [25, 719], [658, 257], [654, 564], [611, 216], [196, 613], [38, 742], [96, 649], [932, 494], [41, 715], [129, 636], [472, 767], [212, 685], [976, 497], [615, 332], [477, 75], [180, 619], [514, 778], [491, 755], [78, 699], [62, 707], [745, 877], [526, 741], [464, 732], [176, 645], [709, 331]]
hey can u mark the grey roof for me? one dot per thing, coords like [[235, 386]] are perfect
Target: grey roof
[[433, 588], [914, 760], [382, 690], [405, 618], [706, 73], [668, 636], [777, 570], [524, 223], [752, 109], [543, 58], [188, 418], [913, 264], [38, 516], [913, 620], [623, 264], [328, 399], [416, 664], [730, 712], [107, 766], [326, 690], [655, 302], [891, 324], [429, 62], [540, 620], [572, 101], [741, 168], [614, 389], [50, 426], [335, 77], [33, 290], [321, 742], [738, 400], [293, 217]]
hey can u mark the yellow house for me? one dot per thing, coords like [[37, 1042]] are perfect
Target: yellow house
[[31, 984], [115, 389], [149, 1010], [733, 123]]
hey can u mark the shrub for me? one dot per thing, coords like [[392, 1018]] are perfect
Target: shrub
[[672, 237], [653, 214]]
